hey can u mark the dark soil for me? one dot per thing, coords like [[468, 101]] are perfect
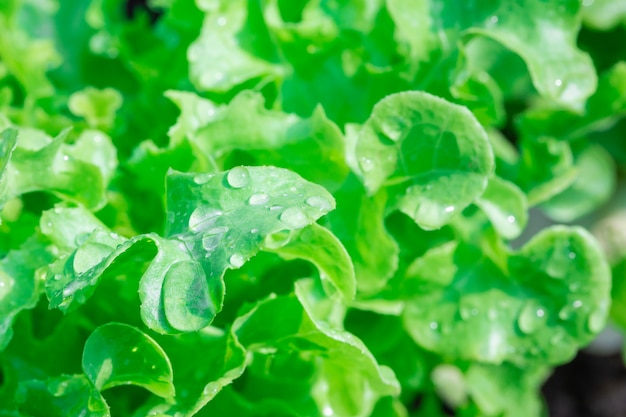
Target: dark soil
[[589, 386]]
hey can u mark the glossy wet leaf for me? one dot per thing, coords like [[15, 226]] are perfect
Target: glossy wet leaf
[[210, 214], [433, 155], [118, 354], [537, 310]]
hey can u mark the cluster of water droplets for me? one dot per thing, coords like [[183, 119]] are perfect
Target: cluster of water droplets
[[211, 223]]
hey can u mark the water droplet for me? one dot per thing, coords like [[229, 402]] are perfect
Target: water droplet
[[258, 199], [210, 242], [568, 310], [433, 325], [221, 21], [274, 208], [293, 189], [558, 83], [294, 217], [449, 209], [319, 202], [465, 313], [66, 158], [572, 255], [510, 219], [493, 19], [238, 177], [531, 318], [203, 217], [393, 129], [202, 178], [56, 277], [596, 320], [366, 164], [114, 235], [277, 239], [255, 230], [218, 230], [237, 260]]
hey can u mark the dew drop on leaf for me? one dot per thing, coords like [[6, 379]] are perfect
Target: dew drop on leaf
[[237, 260], [202, 178], [531, 318], [258, 199], [366, 164], [203, 217], [294, 217], [319, 202], [238, 177], [392, 128], [596, 320]]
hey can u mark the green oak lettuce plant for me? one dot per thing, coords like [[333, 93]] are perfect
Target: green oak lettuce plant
[[309, 208]]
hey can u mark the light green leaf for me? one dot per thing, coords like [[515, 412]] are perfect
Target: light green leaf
[[505, 389], [544, 35], [348, 380], [319, 246], [74, 172], [8, 140], [118, 354], [434, 153], [98, 107], [275, 138], [216, 222], [26, 57], [546, 168], [593, 186], [506, 207], [537, 311], [20, 283], [62, 396], [603, 110], [359, 222], [203, 363], [233, 47], [603, 14]]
